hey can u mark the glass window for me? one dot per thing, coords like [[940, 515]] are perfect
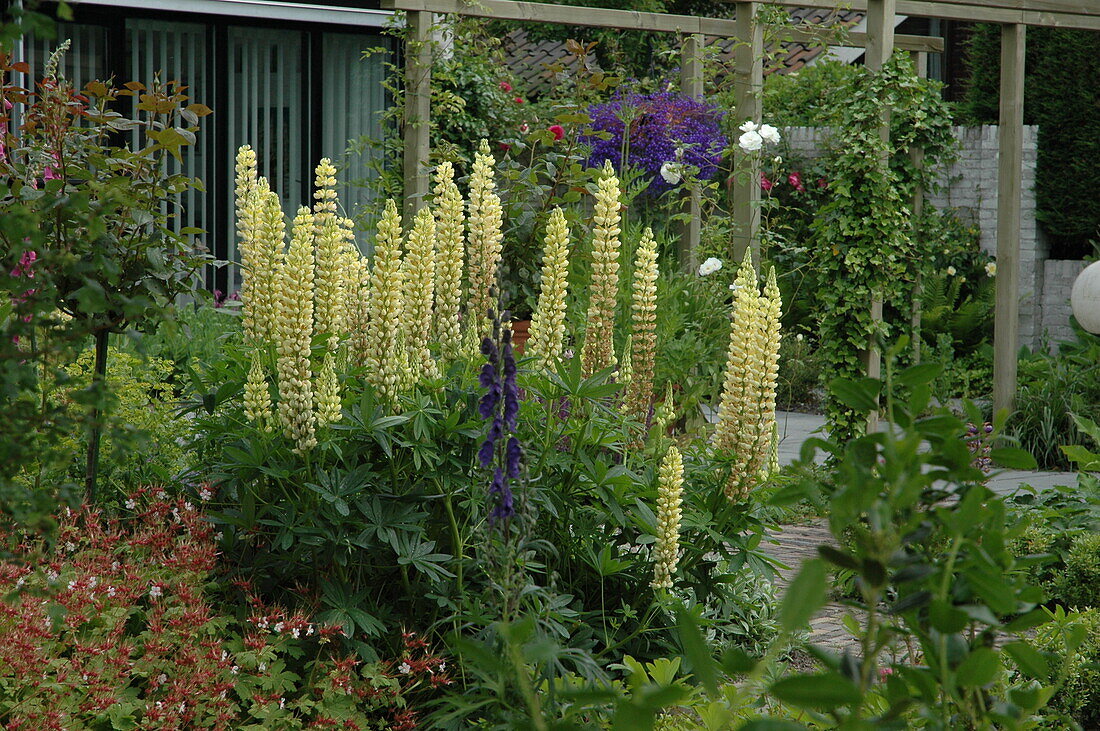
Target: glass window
[[86, 60]]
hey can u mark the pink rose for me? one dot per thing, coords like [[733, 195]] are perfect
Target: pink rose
[[795, 179], [765, 184], [557, 131], [505, 86]]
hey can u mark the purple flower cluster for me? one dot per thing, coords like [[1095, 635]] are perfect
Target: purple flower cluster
[[665, 127], [500, 407], [977, 441]]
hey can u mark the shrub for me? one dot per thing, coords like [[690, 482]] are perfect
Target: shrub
[[110, 627], [1079, 584], [652, 131], [1079, 695]]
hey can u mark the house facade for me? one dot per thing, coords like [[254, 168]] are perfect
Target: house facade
[[291, 79]]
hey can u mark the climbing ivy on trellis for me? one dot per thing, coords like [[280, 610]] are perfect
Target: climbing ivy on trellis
[[865, 241]]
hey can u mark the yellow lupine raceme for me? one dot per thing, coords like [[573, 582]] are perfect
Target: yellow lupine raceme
[[599, 336], [449, 259], [419, 283], [666, 549], [548, 321], [643, 319], [294, 329], [384, 326], [484, 239]]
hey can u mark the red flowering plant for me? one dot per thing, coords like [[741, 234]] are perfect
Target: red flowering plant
[[110, 627]]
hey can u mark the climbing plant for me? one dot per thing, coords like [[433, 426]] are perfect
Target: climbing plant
[[866, 243]]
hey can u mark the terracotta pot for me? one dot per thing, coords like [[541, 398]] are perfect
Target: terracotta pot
[[520, 334]]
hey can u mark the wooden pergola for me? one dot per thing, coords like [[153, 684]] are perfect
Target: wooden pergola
[[879, 40]]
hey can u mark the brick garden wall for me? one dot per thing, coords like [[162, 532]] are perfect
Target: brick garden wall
[[970, 186]]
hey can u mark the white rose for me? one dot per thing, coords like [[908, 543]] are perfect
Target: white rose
[[770, 134], [710, 266], [748, 126], [672, 172], [991, 269], [750, 141], [951, 271]]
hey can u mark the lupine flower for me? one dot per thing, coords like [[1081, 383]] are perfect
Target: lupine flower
[[294, 328], [484, 238], [710, 266], [668, 122], [666, 550], [548, 321], [448, 262], [384, 345], [419, 284], [328, 392], [665, 412], [248, 213], [499, 406], [599, 335], [643, 323], [746, 414], [330, 307], [257, 397], [625, 375], [557, 130]]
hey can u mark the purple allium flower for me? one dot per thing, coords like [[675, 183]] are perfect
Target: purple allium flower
[[665, 127]]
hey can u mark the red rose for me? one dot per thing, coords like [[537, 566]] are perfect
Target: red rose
[[518, 100], [795, 179], [557, 131], [765, 184], [505, 86], [505, 146]]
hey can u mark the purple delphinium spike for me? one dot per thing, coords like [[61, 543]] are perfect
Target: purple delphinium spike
[[499, 405]]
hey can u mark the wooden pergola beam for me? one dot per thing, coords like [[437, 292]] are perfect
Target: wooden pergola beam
[[973, 11], [640, 21]]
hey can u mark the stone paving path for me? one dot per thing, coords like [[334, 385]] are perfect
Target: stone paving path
[[797, 543]]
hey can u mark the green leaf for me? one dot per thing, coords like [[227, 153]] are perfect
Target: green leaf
[[1030, 661], [696, 650], [860, 396], [822, 692], [1013, 458], [918, 375], [805, 596], [979, 668]]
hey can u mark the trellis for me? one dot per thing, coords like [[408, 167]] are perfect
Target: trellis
[[879, 40]]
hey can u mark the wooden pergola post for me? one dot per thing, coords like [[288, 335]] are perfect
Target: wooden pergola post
[[916, 155], [691, 85], [748, 66], [1006, 327], [418, 96], [880, 46]]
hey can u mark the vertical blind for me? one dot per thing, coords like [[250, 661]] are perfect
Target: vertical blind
[[160, 52], [353, 100], [85, 61]]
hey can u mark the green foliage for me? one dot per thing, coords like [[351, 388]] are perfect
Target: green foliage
[[89, 249], [1079, 583], [1060, 98], [1073, 640], [800, 370], [804, 97], [863, 231], [1054, 387]]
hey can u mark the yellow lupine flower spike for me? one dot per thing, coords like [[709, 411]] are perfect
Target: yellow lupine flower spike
[[450, 254], [328, 392], [248, 212], [484, 238], [257, 397], [643, 314], [599, 336], [295, 334], [267, 261], [625, 376], [324, 197], [384, 331], [419, 294], [666, 550], [548, 321]]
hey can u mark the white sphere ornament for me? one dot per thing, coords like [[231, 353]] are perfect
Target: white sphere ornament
[[1085, 298]]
